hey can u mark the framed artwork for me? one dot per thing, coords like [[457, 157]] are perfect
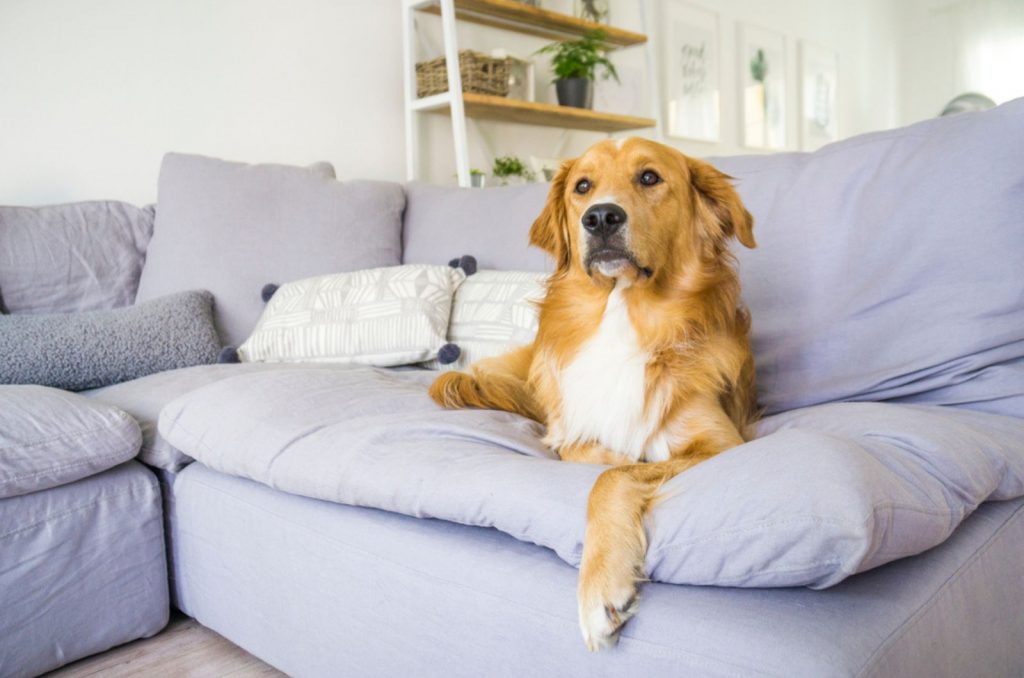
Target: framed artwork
[[762, 77], [691, 71], [591, 10], [819, 96]]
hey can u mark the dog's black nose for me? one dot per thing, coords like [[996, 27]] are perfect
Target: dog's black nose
[[603, 219]]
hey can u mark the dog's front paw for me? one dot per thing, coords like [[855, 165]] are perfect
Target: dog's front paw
[[607, 600], [453, 389]]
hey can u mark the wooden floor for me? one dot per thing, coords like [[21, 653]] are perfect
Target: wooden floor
[[183, 650]]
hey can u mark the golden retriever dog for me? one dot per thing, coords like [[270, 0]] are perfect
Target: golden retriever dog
[[642, 357]]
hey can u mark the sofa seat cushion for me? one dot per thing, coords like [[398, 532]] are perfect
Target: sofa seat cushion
[[143, 398], [231, 228], [823, 493], [50, 437]]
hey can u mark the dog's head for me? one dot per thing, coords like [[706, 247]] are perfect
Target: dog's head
[[637, 210]]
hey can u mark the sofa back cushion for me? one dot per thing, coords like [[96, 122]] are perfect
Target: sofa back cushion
[[83, 256], [231, 228], [890, 266], [492, 224]]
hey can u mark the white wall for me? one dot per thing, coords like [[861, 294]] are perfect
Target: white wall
[[93, 92], [949, 47]]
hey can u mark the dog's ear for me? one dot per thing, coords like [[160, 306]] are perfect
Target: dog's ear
[[550, 231], [716, 193]]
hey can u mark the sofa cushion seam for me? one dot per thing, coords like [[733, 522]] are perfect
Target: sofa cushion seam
[[64, 467], [66, 436], [67, 512]]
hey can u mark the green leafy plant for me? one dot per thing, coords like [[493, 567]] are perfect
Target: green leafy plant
[[581, 58], [510, 166], [759, 66], [474, 172]]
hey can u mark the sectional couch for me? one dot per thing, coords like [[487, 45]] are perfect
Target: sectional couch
[[331, 521]]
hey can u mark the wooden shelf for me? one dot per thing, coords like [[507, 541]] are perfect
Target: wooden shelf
[[488, 107], [543, 23]]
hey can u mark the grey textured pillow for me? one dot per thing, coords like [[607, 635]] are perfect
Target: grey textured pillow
[[88, 350], [231, 228], [83, 256]]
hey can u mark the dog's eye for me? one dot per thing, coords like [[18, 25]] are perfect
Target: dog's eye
[[649, 178], [582, 186]]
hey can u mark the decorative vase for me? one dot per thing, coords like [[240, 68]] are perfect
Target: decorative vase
[[477, 180], [576, 92]]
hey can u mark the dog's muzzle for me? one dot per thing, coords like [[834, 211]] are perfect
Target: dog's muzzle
[[607, 252]]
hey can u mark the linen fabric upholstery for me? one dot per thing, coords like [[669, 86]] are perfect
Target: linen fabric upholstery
[[143, 398], [888, 266], [384, 316], [83, 569], [491, 223], [952, 611], [231, 228], [82, 256], [79, 351], [50, 437], [492, 313], [823, 493]]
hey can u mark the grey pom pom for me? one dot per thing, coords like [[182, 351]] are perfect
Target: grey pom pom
[[454, 263], [228, 354], [448, 354], [268, 291], [467, 263]]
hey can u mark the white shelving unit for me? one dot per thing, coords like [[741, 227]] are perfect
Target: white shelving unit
[[522, 18]]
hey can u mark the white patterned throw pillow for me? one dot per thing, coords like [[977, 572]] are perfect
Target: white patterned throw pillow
[[383, 316], [493, 312]]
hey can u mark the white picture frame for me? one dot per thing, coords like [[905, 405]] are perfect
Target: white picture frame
[[763, 94], [691, 72], [819, 95]]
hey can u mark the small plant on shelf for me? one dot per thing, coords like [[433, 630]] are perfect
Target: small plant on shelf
[[576, 65], [510, 169]]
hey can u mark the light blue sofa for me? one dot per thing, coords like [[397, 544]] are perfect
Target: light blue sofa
[[888, 270]]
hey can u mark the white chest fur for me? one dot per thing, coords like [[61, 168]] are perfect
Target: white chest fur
[[604, 388]]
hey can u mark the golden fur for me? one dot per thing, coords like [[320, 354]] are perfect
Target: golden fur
[[677, 280]]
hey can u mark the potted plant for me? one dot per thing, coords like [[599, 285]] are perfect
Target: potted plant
[[510, 169], [575, 64], [477, 178]]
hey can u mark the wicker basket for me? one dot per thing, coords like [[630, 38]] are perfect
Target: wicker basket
[[481, 74]]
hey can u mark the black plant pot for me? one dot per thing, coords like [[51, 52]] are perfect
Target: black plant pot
[[576, 92]]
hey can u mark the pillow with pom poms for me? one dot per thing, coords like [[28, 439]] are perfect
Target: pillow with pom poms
[[385, 317], [493, 312]]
